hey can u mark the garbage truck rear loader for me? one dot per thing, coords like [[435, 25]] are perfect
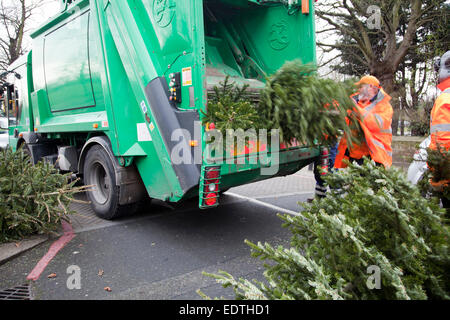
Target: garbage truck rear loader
[[113, 90]]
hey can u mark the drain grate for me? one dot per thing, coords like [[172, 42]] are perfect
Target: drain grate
[[16, 293]]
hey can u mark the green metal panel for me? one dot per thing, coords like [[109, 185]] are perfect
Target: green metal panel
[[66, 60], [268, 35], [130, 67], [95, 61], [67, 73]]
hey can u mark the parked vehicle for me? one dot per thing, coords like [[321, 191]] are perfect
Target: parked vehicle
[[107, 85], [4, 136], [3, 140]]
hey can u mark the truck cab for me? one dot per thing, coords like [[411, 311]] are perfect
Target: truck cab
[[14, 102]]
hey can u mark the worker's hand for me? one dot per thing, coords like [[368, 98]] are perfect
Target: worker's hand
[[439, 186], [357, 113]]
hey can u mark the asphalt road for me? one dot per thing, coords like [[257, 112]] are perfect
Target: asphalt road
[[161, 253]]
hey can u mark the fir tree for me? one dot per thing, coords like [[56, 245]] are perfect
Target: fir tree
[[295, 100], [33, 198], [307, 108], [229, 108], [372, 218]]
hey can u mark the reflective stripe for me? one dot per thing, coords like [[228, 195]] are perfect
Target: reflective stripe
[[321, 190], [381, 146], [380, 120], [447, 90], [378, 144], [320, 193], [443, 127], [386, 131]]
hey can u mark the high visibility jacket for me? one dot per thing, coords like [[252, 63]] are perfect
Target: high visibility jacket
[[440, 118], [376, 122]]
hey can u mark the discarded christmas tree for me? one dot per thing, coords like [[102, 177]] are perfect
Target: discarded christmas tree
[[439, 164], [305, 107], [372, 237], [295, 100], [230, 109], [33, 198]]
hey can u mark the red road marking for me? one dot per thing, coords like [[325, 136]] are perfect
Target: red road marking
[[53, 251]]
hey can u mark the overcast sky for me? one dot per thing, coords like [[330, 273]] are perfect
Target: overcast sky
[[48, 9]]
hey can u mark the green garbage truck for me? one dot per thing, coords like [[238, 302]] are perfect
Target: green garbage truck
[[111, 90]]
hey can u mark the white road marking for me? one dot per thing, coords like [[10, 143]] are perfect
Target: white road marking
[[285, 194], [268, 205]]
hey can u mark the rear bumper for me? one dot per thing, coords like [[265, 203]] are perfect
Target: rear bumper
[[233, 174], [290, 161]]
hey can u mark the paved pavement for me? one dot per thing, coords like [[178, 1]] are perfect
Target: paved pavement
[[161, 253]]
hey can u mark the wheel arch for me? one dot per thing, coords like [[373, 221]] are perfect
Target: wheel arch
[[104, 142], [132, 188]]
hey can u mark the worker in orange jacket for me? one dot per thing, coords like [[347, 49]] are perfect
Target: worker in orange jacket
[[440, 119], [374, 113], [440, 115]]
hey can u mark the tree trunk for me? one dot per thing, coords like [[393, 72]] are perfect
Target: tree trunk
[[395, 120], [402, 125]]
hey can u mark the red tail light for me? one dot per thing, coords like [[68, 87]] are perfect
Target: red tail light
[[211, 199], [324, 161], [212, 174], [211, 182]]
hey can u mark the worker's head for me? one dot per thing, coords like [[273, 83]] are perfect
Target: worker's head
[[369, 86], [442, 67]]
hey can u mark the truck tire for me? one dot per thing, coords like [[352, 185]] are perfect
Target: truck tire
[[99, 173]]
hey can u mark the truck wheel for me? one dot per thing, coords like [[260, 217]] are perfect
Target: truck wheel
[[99, 173]]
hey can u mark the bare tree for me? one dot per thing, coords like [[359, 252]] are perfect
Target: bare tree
[[14, 18], [379, 35]]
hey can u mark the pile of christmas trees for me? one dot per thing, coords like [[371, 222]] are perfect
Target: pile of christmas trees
[[33, 198], [372, 237], [439, 164], [295, 100]]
